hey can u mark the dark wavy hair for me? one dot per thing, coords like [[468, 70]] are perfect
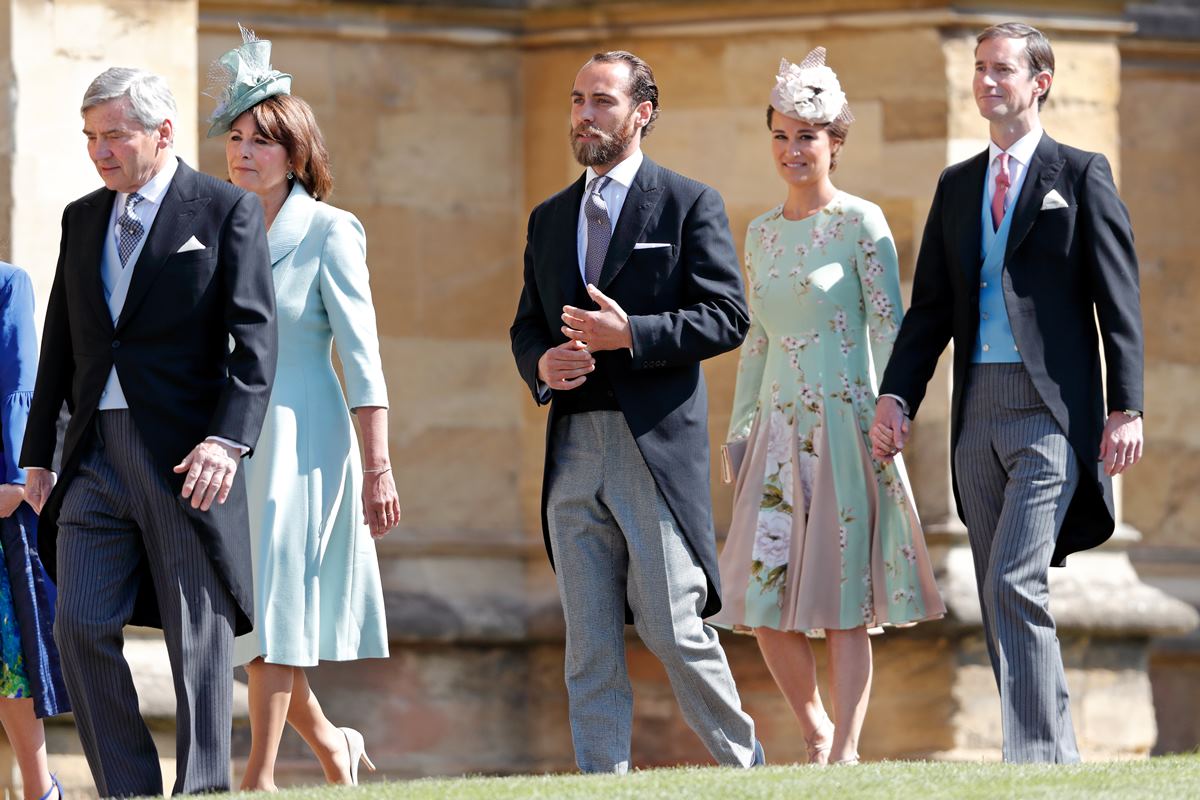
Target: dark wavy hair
[[642, 87]]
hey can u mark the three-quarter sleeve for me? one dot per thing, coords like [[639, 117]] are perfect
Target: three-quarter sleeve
[[752, 362], [18, 370], [878, 268], [346, 295]]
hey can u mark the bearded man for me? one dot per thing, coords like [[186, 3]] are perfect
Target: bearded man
[[631, 281]]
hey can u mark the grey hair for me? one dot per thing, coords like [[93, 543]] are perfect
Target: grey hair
[[150, 99]]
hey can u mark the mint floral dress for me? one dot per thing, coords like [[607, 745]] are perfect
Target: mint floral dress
[[822, 535]]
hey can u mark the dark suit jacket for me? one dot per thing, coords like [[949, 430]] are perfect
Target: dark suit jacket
[[685, 304], [171, 348], [1063, 269]]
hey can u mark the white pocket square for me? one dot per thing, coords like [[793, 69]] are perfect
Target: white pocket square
[[190, 245], [1053, 200], [650, 245]]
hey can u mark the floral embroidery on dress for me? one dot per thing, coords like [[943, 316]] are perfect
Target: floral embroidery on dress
[[825, 304]]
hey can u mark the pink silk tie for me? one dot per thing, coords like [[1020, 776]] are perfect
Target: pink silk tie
[[1003, 181]]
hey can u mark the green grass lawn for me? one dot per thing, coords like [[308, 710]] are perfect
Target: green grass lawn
[[1163, 778]]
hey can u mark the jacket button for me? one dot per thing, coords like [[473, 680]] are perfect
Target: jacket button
[[116, 343]]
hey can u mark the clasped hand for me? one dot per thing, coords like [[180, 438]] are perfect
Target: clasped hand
[[210, 468], [889, 432], [567, 366]]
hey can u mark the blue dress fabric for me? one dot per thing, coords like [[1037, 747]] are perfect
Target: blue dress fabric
[[30, 588], [317, 589]]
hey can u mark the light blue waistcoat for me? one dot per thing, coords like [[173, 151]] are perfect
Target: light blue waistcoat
[[994, 328]]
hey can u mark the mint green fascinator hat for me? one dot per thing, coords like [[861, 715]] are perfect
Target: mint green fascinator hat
[[241, 79]]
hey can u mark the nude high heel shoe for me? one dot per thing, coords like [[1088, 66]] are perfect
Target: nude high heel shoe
[[357, 749], [821, 743]]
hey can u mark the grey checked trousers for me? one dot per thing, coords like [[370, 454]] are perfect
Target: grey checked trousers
[[615, 539]]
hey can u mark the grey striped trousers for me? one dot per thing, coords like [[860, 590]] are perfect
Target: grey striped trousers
[[1016, 475], [120, 518]]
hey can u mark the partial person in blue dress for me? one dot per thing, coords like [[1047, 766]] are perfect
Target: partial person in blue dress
[[31, 685], [317, 589]]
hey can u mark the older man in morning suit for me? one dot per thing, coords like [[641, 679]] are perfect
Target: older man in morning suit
[[630, 282], [1027, 246], [160, 336]]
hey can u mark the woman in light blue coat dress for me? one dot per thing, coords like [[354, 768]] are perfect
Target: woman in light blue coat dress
[[314, 508]]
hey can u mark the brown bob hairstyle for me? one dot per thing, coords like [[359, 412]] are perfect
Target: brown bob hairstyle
[[288, 120]]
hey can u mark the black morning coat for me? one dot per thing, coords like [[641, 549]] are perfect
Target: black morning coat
[[194, 347], [685, 304], [1065, 268]]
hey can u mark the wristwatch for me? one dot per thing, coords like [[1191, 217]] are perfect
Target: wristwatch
[[1132, 413]]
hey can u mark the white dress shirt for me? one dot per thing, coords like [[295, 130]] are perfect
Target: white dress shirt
[[1019, 156], [614, 194]]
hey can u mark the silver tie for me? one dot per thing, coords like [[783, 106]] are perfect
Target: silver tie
[[599, 230]]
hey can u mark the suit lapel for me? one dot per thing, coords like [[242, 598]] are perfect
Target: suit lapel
[[565, 228], [90, 250], [644, 195], [168, 233], [1043, 172], [968, 203], [291, 223]]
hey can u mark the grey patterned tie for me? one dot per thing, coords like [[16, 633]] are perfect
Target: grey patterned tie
[[599, 230], [131, 228]]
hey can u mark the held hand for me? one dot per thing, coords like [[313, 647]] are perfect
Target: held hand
[[606, 329], [11, 496], [381, 504], [1121, 442], [38, 483], [889, 431], [565, 366], [210, 468]]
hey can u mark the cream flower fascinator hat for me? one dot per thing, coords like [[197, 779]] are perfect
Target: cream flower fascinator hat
[[810, 91], [241, 79]]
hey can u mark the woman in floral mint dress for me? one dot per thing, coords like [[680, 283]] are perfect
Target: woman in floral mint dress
[[824, 539]]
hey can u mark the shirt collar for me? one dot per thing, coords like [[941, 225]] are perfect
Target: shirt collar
[[154, 189], [1022, 149], [624, 172]]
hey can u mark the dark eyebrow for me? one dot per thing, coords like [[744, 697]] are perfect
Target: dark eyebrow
[[577, 93]]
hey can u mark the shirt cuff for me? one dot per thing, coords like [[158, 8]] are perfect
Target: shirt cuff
[[903, 403], [241, 448]]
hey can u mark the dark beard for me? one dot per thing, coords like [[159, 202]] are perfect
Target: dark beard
[[605, 151]]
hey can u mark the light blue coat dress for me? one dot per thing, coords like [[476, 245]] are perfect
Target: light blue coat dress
[[317, 592]]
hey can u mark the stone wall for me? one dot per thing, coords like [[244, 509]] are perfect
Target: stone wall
[[1160, 80]]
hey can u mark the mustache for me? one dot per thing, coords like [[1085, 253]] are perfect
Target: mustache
[[588, 130]]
